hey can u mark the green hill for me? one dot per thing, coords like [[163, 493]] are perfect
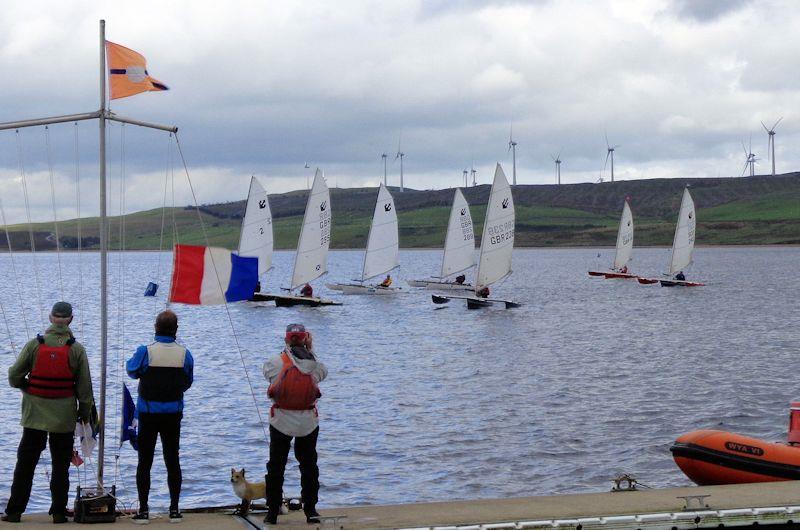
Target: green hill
[[750, 210]]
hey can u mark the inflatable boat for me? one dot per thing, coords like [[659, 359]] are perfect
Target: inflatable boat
[[711, 457]]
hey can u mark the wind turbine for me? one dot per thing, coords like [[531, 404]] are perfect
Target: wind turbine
[[512, 146], [308, 186], [474, 175], [557, 160], [750, 158], [384, 156], [771, 142], [400, 154], [465, 177], [610, 153]]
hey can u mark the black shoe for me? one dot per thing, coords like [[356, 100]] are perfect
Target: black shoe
[[175, 516], [11, 517], [312, 516], [59, 518], [271, 517], [141, 518]]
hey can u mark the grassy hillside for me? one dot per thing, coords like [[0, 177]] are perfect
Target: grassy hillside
[[755, 210]]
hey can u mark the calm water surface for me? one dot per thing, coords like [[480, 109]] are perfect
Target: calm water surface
[[589, 379]]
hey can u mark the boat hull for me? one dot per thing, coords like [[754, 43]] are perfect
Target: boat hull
[[357, 289], [679, 283], [435, 285], [647, 281], [597, 274], [262, 297], [710, 457], [291, 301], [474, 302], [619, 276]]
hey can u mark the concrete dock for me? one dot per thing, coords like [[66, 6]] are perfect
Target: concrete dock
[[733, 505]]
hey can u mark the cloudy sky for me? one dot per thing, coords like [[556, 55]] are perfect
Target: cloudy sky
[[265, 87]]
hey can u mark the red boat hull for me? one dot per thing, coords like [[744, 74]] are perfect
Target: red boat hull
[[647, 281], [711, 457], [620, 276]]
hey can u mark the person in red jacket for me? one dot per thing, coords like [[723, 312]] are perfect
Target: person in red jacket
[[307, 291]]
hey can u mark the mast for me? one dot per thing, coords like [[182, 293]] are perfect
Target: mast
[[103, 259]]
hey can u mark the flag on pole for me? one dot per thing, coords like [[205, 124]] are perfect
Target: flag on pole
[[210, 275], [129, 431], [127, 72]]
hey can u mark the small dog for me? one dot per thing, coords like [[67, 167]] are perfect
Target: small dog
[[248, 491]]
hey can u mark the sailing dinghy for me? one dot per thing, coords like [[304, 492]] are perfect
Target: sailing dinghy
[[497, 245], [311, 259], [619, 269], [256, 239], [382, 253], [459, 249], [682, 246]]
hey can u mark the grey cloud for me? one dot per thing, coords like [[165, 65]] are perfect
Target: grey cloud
[[707, 10]]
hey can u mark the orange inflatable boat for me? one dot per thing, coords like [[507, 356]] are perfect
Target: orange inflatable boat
[[718, 457]]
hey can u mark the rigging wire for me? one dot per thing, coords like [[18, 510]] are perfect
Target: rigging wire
[[30, 225], [14, 272], [227, 309], [53, 201], [163, 217], [121, 299], [80, 235]]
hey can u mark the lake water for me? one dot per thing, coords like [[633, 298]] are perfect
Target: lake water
[[589, 379]]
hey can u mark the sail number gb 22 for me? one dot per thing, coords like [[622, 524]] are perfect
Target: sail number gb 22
[[501, 233]]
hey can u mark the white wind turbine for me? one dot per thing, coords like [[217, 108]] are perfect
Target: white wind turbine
[[474, 175], [610, 153], [384, 156], [750, 158], [557, 160], [512, 146], [400, 154], [465, 177], [771, 142]]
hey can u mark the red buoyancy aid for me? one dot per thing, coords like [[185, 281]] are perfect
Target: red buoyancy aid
[[293, 389], [51, 376]]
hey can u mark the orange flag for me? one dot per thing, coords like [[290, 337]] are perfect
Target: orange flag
[[127, 72]]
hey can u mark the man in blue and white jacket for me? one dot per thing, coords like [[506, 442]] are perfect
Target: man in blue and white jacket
[[165, 371]]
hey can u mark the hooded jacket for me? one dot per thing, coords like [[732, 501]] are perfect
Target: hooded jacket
[[295, 422]]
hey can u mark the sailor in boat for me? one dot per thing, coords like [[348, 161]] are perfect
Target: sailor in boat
[[165, 370], [460, 279], [624, 269], [483, 292], [387, 282], [294, 378], [307, 291], [680, 276], [258, 287], [53, 373]]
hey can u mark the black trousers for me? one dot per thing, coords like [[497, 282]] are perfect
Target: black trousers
[[150, 427], [30, 449], [305, 450]]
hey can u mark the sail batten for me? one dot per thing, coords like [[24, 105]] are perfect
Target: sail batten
[[683, 242], [497, 241], [256, 238], [459, 245], [381, 255], [311, 259], [624, 238]]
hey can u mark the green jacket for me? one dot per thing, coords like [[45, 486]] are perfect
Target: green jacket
[[54, 415]]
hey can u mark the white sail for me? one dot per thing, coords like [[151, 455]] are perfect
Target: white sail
[[459, 244], [311, 260], [624, 238], [683, 243], [381, 255], [255, 239], [497, 242]]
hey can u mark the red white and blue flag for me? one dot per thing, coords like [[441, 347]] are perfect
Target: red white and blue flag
[[210, 275]]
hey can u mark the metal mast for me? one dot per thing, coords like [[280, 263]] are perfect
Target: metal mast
[[385, 181]]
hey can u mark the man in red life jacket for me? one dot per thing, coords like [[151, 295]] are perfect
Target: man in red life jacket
[[293, 376], [307, 291], [53, 373]]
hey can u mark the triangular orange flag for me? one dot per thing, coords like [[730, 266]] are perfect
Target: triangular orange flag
[[127, 72]]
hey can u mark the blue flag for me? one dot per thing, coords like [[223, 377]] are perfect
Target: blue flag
[[151, 290], [129, 423]]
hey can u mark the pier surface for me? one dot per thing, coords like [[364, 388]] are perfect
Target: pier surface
[[476, 512]]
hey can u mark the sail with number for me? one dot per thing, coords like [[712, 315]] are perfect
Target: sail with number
[[624, 238], [256, 238], [497, 242], [459, 244], [383, 242], [311, 259], [683, 243]]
